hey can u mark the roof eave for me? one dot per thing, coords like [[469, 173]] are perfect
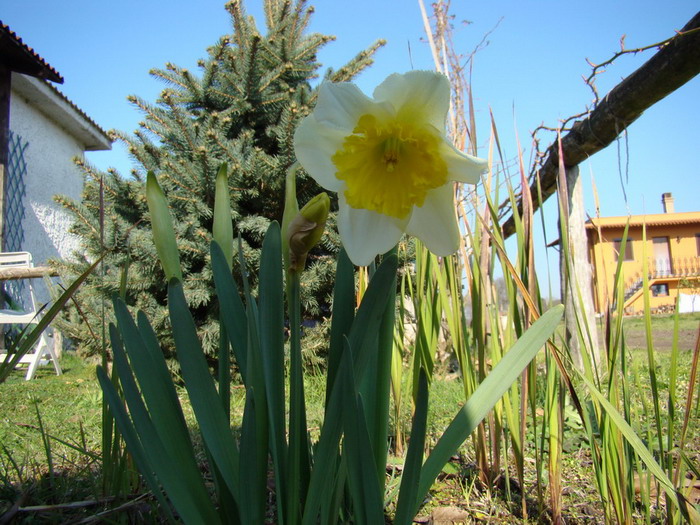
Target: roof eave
[[67, 115]]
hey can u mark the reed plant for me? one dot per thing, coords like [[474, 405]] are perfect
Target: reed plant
[[637, 452]]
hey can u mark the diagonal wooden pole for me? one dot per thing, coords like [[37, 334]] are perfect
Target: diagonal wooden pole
[[672, 66]]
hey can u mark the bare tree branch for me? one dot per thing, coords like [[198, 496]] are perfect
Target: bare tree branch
[[673, 65]]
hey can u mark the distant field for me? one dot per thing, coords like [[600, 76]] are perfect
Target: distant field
[[662, 332]]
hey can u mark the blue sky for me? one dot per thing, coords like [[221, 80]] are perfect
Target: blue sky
[[530, 72]]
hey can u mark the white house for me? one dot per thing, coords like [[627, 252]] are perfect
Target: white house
[[44, 133]]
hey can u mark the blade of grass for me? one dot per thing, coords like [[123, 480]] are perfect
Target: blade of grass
[[650, 344], [487, 395], [642, 451]]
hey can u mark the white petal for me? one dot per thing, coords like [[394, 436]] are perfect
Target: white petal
[[462, 167], [341, 106], [321, 134], [424, 90], [365, 233], [314, 145], [435, 223]]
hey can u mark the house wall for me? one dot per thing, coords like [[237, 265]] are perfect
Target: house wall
[[50, 171], [683, 250]]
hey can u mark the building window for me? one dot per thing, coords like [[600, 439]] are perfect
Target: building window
[[617, 244], [659, 290], [697, 243]]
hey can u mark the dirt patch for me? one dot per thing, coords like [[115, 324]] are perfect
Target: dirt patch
[[635, 338]]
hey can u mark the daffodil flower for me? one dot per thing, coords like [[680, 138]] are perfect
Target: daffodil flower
[[388, 159]]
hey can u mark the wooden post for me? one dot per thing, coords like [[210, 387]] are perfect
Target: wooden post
[[10, 273], [576, 277], [5, 93], [5, 88]]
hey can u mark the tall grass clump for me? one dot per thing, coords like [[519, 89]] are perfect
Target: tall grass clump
[[636, 450]]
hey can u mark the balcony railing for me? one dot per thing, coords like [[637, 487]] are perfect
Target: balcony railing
[[664, 267], [674, 267]]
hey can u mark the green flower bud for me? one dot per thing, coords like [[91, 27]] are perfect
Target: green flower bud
[[306, 229], [291, 209], [162, 225]]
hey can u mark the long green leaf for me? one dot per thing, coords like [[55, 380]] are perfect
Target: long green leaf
[[132, 441], [253, 473], [378, 404], [299, 463], [370, 313], [204, 398], [365, 490], [168, 420], [181, 479], [222, 230], [222, 233], [362, 332], [486, 396], [162, 226], [158, 367], [414, 457], [233, 313], [326, 457], [271, 333], [343, 316]]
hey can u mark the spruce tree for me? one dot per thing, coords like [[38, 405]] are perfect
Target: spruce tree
[[241, 108]]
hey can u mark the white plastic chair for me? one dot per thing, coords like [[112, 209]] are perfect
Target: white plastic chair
[[42, 352]]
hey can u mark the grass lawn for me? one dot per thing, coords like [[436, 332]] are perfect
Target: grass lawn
[[69, 406], [65, 468]]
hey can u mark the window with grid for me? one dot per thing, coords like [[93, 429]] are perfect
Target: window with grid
[[13, 292]]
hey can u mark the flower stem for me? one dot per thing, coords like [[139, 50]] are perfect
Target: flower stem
[[384, 356], [299, 466]]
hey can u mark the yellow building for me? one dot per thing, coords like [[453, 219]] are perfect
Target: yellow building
[[672, 253]]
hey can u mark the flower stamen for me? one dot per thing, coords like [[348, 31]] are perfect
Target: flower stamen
[[390, 165], [392, 146]]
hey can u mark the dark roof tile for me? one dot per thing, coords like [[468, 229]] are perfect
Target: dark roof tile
[[21, 58]]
